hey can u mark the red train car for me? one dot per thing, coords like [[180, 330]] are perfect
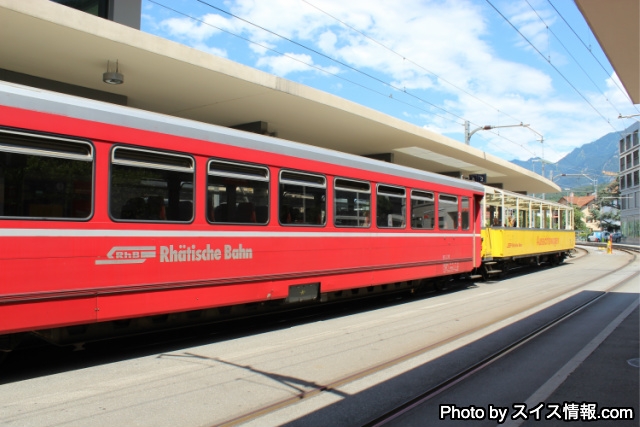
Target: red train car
[[110, 215]]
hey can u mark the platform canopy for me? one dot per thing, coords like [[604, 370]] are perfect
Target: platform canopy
[[616, 25], [48, 45]]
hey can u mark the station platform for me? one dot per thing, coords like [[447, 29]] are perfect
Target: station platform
[[608, 377], [582, 371]]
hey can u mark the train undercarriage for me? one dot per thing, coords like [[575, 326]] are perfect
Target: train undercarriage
[[495, 268]]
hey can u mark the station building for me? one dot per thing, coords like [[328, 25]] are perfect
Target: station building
[[585, 204], [630, 184]]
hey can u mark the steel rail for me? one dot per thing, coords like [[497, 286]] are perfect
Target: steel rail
[[334, 384], [471, 370]]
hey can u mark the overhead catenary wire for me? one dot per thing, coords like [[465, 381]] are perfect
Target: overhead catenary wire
[[297, 59], [590, 52], [411, 61], [377, 79], [291, 57], [402, 90], [371, 76], [549, 30], [552, 65], [548, 59], [354, 69], [440, 78]]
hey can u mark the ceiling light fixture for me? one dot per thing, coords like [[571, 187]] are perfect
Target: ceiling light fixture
[[113, 77]]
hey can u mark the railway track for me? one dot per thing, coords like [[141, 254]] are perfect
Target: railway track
[[458, 377], [427, 395]]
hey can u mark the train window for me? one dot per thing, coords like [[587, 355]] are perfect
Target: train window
[[447, 212], [464, 212], [151, 186], [45, 177], [390, 206], [237, 193], [423, 210], [303, 198], [352, 203]]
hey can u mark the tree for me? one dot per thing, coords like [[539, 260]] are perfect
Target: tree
[[578, 221], [607, 211]]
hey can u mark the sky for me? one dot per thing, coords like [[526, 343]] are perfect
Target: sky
[[435, 64]]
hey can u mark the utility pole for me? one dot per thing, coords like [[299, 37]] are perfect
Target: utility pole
[[593, 180], [541, 144], [467, 134]]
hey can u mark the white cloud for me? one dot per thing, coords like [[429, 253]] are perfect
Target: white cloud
[[291, 63], [327, 41], [195, 31], [533, 23], [457, 54]]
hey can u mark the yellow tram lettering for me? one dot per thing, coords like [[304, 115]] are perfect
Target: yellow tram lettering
[[548, 240]]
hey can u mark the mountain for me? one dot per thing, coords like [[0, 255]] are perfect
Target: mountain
[[590, 159]]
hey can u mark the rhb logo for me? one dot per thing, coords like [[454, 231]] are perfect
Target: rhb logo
[[175, 254], [128, 255]]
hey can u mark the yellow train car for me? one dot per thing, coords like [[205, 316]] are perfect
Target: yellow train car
[[501, 243], [522, 230]]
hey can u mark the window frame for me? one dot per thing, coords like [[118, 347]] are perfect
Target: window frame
[[47, 139], [338, 187], [247, 166], [391, 191], [424, 195], [442, 200], [157, 165], [320, 182]]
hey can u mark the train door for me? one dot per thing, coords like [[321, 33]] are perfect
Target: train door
[[476, 216]]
